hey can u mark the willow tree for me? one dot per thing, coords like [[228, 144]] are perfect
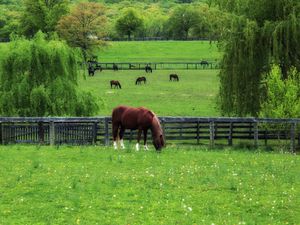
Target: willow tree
[[262, 32], [39, 78]]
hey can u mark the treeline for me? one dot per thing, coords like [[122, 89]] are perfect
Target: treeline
[[177, 19]]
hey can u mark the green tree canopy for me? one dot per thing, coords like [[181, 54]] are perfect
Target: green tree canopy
[[39, 78], [42, 15], [84, 26], [263, 32], [182, 20], [129, 22]]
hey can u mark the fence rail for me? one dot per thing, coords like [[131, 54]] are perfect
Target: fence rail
[[198, 130], [161, 65]]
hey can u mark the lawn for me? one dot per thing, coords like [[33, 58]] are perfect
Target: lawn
[[193, 95], [191, 185], [159, 51]]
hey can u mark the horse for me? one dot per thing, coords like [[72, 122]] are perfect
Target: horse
[[142, 119], [140, 79], [115, 67], [115, 83], [204, 63], [91, 70], [148, 69], [174, 77]]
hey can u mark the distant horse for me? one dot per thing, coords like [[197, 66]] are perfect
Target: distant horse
[[115, 83], [148, 69], [139, 80], [204, 63], [174, 77], [142, 119], [115, 67], [91, 70]]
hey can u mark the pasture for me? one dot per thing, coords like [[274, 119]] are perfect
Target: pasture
[[193, 95], [97, 185], [159, 51]]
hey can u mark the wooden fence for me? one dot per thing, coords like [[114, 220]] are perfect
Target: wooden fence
[[161, 65], [197, 130]]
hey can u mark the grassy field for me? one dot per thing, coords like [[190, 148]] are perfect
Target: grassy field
[[159, 51], [193, 95], [97, 185]]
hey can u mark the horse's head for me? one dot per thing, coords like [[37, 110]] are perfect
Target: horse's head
[[157, 134]]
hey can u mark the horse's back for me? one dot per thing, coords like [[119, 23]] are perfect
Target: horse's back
[[132, 118]]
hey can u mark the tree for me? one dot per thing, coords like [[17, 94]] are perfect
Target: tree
[[39, 78], [129, 22], [42, 15], [263, 32], [282, 96], [84, 26], [182, 20]]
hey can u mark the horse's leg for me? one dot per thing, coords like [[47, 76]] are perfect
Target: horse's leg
[[137, 146], [145, 139], [121, 135], [115, 127]]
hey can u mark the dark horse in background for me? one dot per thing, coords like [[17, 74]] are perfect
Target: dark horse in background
[[141, 119], [91, 70], [115, 83], [174, 77], [148, 69], [139, 80], [115, 67], [204, 63]]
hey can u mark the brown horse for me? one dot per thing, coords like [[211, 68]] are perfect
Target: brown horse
[[142, 119], [174, 77], [115, 83], [139, 80]]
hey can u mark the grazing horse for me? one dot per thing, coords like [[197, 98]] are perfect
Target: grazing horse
[[140, 79], [174, 77], [115, 67], [204, 63], [142, 119], [148, 69], [91, 70], [115, 83]]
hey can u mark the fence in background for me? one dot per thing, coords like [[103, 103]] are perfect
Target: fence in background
[[162, 65], [197, 130]]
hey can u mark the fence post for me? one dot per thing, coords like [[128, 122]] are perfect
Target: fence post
[[230, 134], [198, 132], [293, 131], [106, 132], [255, 134], [1, 132], [212, 133], [52, 133], [41, 132]]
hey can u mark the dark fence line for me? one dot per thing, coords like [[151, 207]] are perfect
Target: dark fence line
[[161, 65], [142, 39], [198, 130], [157, 39]]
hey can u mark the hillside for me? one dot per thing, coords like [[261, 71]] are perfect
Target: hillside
[[159, 51]]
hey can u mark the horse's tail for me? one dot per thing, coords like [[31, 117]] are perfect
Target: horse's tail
[[136, 82]]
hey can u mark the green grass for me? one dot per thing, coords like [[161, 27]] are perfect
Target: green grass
[[97, 185], [193, 95], [159, 51]]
